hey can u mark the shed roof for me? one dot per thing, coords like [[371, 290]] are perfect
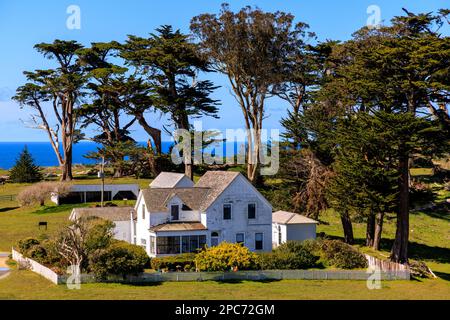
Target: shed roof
[[156, 198], [285, 217], [178, 226], [108, 213]]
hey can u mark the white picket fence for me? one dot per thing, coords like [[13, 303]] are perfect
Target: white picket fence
[[34, 266], [388, 271]]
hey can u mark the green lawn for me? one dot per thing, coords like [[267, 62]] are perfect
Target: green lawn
[[28, 285], [430, 240]]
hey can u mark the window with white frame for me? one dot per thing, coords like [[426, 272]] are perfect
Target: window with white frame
[[240, 237], [259, 240], [143, 212], [152, 244], [251, 210], [144, 243]]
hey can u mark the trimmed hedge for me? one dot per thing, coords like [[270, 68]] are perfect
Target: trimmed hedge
[[179, 262]]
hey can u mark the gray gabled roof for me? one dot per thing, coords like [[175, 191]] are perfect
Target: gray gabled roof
[[200, 197], [156, 199], [107, 213], [217, 182], [167, 180]]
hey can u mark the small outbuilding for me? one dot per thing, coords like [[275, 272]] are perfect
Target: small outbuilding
[[121, 216], [291, 226], [83, 193]]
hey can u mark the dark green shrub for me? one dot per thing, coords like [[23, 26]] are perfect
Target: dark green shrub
[[120, 258], [172, 262], [225, 257], [290, 256], [25, 244], [37, 253], [342, 255]]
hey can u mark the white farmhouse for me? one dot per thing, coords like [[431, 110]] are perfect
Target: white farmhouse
[[291, 226], [175, 216], [121, 216]]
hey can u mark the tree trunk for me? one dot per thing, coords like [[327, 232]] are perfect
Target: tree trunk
[[155, 167], [370, 231], [253, 161], [399, 252], [67, 165], [154, 133], [378, 231], [348, 228]]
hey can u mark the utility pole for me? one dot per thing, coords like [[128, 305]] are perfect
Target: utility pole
[[102, 176]]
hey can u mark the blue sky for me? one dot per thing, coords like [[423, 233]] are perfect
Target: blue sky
[[25, 23]]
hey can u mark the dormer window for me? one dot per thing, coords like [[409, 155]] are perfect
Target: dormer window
[[175, 212]]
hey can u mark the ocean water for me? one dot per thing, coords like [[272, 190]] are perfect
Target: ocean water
[[44, 155]]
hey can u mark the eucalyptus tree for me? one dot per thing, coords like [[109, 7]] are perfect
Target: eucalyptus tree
[[56, 91], [170, 64], [253, 49]]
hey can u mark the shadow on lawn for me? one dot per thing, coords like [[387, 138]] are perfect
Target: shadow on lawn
[[60, 208], [142, 284], [242, 281], [8, 209], [442, 275], [417, 251], [440, 211]]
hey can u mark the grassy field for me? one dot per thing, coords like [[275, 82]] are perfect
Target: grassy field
[[430, 241], [18, 284]]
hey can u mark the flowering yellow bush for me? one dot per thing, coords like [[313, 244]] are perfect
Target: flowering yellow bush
[[226, 257]]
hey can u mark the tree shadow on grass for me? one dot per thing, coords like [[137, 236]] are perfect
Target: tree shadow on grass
[[442, 275], [237, 281], [8, 209], [440, 211], [142, 284], [417, 251], [58, 209]]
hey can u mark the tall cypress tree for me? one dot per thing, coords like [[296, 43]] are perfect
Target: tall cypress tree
[[25, 170]]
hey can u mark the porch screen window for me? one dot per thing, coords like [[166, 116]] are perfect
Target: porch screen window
[[168, 245], [175, 212], [192, 243], [258, 241], [174, 245], [227, 211], [251, 210]]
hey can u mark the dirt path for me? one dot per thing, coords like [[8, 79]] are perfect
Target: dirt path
[[3, 258]]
